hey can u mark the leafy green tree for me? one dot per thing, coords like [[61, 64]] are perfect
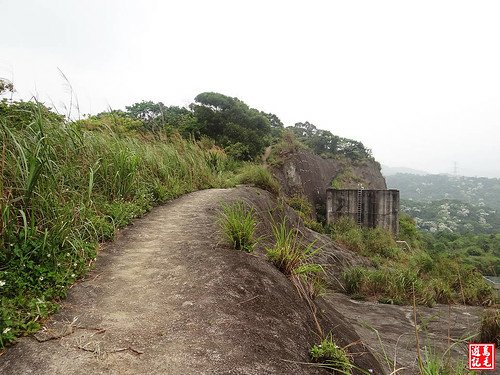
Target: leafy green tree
[[157, 116], [304, 129], [242, 131], [116, 120], [20, 114], [182, 120], [151, 114], [323, 142], [277, 126]]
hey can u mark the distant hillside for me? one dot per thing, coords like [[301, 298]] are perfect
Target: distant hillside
[[452, 215], [477, 191], [390, 171]]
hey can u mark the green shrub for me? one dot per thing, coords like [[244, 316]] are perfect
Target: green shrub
[[305, 209], [217, 159], [314, 225], [353, 278], [398, 274], [408, 231], [259, 176], [441, 290], [388, 285], [332, 355], [421, 262], [346, 178], [238, 225], [287, 144]]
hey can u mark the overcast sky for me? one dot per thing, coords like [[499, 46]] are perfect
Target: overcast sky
[[418, 82]]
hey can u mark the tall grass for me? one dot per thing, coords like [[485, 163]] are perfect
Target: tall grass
[[295, 259], [64, 189], [238, 225], [258, 175], [288, 253]]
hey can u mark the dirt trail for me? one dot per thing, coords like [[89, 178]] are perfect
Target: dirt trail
[[165, 298]]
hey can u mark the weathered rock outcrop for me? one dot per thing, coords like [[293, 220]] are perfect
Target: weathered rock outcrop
[[305, 173]]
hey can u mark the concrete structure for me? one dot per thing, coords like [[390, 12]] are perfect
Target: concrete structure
[[368, 208]]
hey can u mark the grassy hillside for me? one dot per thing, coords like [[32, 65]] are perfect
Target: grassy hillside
[[64, 189], [403, 271]]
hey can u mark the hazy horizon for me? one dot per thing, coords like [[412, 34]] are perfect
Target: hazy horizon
[[415, 82]]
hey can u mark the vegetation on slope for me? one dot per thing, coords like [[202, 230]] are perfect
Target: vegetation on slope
[[326, 144], [398, 273], [481, 251], [458, 216], [331, 356], [65, 188]]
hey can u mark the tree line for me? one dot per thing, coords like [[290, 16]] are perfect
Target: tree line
[[243, 132]]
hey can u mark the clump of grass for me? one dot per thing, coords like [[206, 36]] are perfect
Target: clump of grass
[[331, 356], [238, 225], [353, 279], [490, 326], [345, 178], [387, 285], [346, 232], [258, 175], [433, 364], [293, 258], [288, 254], [393, 282], [301, 205]]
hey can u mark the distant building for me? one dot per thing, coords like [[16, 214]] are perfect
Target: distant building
[[368, 208]]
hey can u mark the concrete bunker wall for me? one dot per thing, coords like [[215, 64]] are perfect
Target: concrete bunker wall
[[368, 208]]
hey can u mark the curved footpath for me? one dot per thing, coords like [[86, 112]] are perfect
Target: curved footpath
[[168, 297]]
